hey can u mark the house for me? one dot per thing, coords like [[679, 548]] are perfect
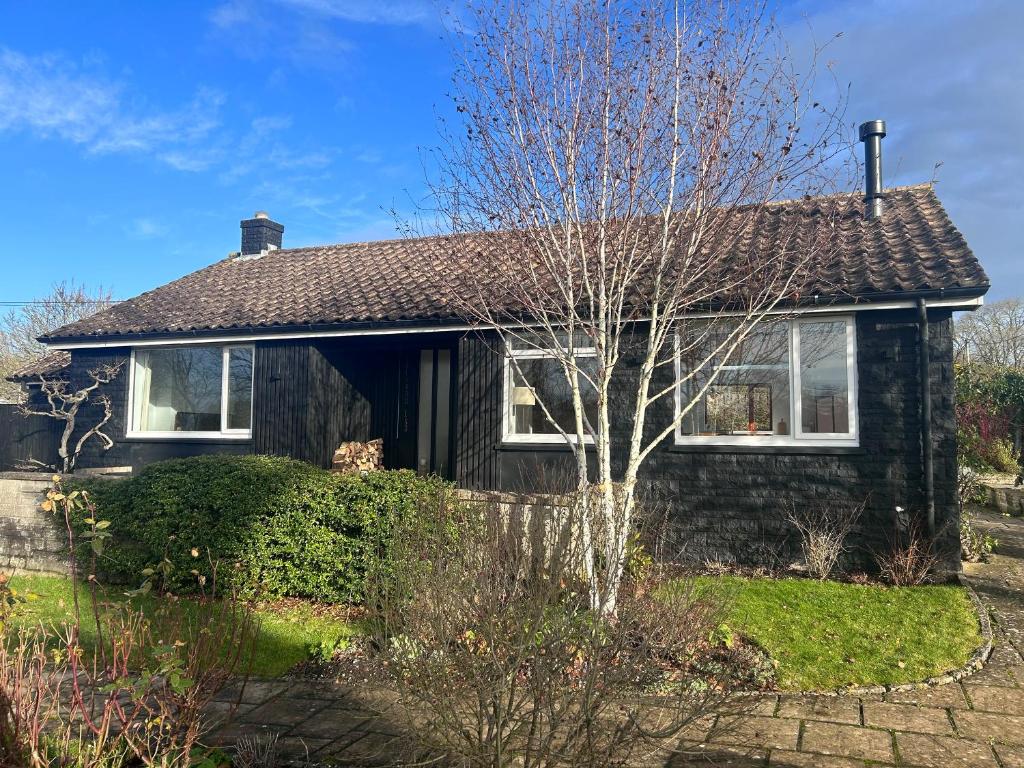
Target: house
[[292, 351]]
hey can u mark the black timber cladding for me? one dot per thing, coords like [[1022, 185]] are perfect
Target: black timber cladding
[[729, 503], [311, 395]]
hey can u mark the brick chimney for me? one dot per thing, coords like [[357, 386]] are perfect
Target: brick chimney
[[260, 234]]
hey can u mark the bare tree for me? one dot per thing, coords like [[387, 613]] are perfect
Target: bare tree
[[21, 328], [65, 403], [992, 335], [614, 177]]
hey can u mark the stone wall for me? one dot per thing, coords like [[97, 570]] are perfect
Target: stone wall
[[30, 539]]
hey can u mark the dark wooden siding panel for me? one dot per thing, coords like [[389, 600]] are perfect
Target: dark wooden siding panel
[[281, 398], [478, 421], [27, 439]]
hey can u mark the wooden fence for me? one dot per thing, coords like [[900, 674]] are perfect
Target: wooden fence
[[23, 438]]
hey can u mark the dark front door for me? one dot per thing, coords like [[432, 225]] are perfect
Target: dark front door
[[434, 413]]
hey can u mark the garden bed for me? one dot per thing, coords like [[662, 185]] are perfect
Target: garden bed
[[291, 631]]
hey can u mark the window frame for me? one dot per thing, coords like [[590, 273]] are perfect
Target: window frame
[[224, 433], [797, 437], [507, 408]]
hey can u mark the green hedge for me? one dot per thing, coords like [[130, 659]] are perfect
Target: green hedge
[[276, 527]]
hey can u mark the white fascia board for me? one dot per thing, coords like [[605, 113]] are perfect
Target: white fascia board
[[954, 304]]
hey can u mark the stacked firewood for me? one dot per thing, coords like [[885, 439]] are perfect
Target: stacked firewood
[[358, 458]]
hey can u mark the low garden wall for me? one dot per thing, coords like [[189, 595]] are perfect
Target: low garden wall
[[30, 539], [1005, 496]]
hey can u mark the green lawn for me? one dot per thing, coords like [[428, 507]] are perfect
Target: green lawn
[[827, 634], [287, 633], [822, 634]]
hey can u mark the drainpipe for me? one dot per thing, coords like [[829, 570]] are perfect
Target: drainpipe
[[926, 416]]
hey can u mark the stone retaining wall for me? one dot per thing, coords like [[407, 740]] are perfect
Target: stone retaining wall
[[30, 539], [1005, 497]]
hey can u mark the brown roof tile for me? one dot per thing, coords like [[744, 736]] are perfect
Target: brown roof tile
[[47, 365], [913, 247]]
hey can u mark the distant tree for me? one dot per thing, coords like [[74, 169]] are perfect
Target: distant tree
[[992, 336], [20, 328]]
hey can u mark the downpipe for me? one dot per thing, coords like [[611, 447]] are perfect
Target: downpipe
[[927, 452]]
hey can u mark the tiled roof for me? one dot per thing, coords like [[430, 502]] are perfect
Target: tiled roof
[[47, 365], [913, 247]]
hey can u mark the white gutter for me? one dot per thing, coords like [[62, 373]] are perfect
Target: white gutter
[[961, 304]]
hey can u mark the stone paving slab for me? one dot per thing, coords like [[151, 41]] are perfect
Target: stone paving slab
[[990, 698], [847, 741], [1010, 757], [764, 732], [908, 717], [943, 752], [836, 709], [783, 759]]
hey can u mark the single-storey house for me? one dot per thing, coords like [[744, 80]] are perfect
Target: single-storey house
[[292, 351]]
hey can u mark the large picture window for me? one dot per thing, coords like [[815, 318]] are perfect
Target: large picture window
[[191, 392], [789, 382], [537, 393]]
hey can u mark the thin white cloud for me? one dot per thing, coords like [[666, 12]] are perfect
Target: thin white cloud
[[145, 228], [53, 97], [394, 12]]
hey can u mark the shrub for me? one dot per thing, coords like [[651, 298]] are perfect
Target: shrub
[[823, 532], [1000, 455], [288, 528], [497, 658], [911, 557], [975, 545]]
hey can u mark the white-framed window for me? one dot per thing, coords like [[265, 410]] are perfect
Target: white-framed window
[[189, 392], [535, 387], [790, 382]]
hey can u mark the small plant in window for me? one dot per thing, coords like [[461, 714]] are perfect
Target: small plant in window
[[65, 403]]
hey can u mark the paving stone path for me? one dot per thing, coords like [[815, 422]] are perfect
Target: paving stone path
[[978, 723]]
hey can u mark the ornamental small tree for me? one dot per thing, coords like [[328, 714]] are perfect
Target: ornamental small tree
[[65, 404]]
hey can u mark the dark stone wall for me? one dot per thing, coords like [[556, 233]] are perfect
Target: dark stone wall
[[729, 504]]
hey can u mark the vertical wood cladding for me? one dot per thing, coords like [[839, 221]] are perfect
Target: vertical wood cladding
[[478, 413]]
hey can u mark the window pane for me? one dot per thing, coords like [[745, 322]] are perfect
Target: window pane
[[824, 388], [543, 381], [178, 390], [239, 388], [750, 393]]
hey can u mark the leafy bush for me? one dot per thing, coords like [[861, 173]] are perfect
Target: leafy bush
[[975, 546], [1000, 455], [286, 527]]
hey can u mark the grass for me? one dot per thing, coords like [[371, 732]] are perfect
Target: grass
[[827, 634], [288, 632], [822, 634]]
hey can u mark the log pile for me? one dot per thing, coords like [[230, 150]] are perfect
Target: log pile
[[358, 458]]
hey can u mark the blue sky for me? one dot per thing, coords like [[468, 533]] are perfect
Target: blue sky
[[135, 136]]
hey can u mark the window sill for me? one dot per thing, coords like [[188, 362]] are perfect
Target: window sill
[[534, 447], [186, 437], [807, 450]]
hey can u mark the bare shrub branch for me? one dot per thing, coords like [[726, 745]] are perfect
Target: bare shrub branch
[[823, 531]]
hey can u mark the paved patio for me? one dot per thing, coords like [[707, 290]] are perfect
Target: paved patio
[[977, 723]]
